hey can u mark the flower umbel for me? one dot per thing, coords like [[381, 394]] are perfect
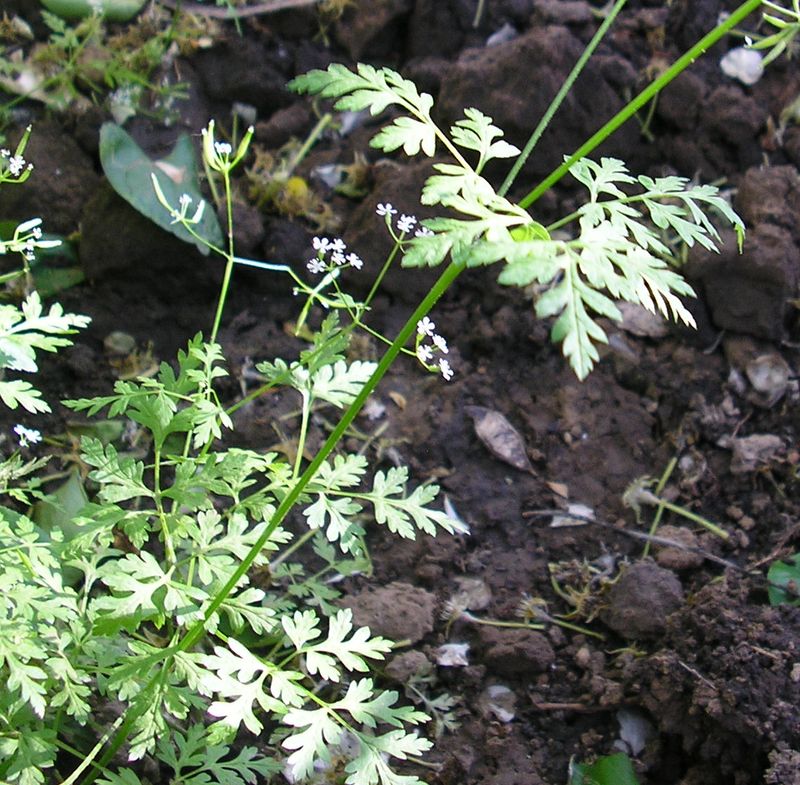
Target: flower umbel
[[338, 258], [13, 166], [27, 436], [27, 238], [219, 156], [180, 215], [426, 352]]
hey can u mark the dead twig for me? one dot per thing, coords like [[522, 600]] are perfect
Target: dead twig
[[234, 13], [654, 538]]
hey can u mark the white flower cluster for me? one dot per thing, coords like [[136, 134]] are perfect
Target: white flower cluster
[[426, 352], [15, 165], [27, 237], [338, 258], [404, 224], [181, 214], [27, 436]]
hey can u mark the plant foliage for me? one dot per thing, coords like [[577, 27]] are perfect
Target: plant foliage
[[621, 246], [98, 607]]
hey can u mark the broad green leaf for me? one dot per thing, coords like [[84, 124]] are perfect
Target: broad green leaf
[[112, 10], [129, 171], [614, 769], [784, 581]]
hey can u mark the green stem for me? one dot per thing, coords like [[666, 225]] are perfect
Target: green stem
[[662, 483], [560, 96], [712, 527], [230, 258], [301, 439], [295, 546], [316, 132], [637, 103], [386, 265]]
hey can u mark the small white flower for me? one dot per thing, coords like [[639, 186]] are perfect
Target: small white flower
[[37, 233], [425, 326], [321, 244], [424, 353], [27, 436], [184, 201], [5, 153], [440, 344], [338, 245], [16, 164], [337, 257], [423, 231], [316, 266], [222, 148], [385, 209], [447, 371], [405, 223], [354, 260]]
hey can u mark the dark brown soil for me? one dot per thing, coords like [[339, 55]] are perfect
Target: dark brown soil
[[691, 645]]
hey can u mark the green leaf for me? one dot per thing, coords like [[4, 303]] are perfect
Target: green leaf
[[341, 382], [336, 518], [21, 393], [476, 132], [112, 10], [120, 478], [129, 171], [784, 581], [412, 135], [614, 769], [196, 761], [405, 514]]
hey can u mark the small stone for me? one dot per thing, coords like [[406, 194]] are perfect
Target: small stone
[[752, 452], [769, 375], [398, 611], [583, 657], [452, 655], [408, 664], [119, 344], [512, 652], [500, 702], [747, 523], [743, 64], [678, 558], [641, 600], [473, 593]]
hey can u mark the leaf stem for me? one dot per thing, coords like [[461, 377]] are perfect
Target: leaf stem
[[640, 100], [559, 98], [230, 258]]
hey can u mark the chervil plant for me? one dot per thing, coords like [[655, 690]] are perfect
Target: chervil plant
[[618, 251], [175, 601], [28, 328], [177, 615]]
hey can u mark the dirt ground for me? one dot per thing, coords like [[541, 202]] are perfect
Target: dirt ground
[[690, 669]]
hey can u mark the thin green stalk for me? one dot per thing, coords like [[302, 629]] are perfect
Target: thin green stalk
[[310, 141], [301, 439], [637, 103], [230, 258], [692, 516], [667, 473], [560, 96], [386, 265]]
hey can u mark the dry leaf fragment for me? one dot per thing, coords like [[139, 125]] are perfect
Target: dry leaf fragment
[[500, 437]]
